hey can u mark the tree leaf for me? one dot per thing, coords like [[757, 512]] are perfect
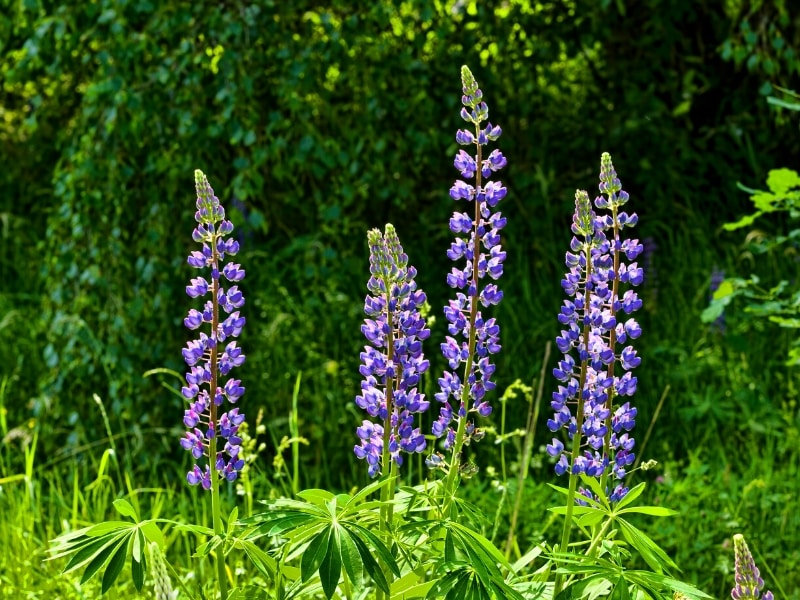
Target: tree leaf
[[781, 181]]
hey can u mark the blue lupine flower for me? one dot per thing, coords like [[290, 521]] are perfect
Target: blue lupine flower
[[483, 255], [209, 362], [393, 362], [746, 574], [596, 324]]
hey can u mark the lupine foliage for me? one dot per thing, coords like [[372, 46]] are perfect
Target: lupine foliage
[[107, 106]]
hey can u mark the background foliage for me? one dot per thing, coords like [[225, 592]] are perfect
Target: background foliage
[[319, 120]]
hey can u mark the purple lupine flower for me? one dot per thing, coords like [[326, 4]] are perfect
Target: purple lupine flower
[[746, 574], [473, 338], [595, 339], [210, 361], [393, 361]]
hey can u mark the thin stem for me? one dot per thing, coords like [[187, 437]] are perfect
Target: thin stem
[[451, 483], [612, 340], [533, 417], [387, 464], [216, 513], [576, 438]]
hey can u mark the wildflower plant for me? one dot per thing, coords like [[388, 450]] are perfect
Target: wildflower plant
[[413, 543], [746, 574], [473, 338], [393, 361]]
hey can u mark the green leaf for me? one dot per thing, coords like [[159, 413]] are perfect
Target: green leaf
[[781, 181], [652, 554], [153, 533], [115, 565], [351, 559], [106, 527], [369, 489], [262, 561], [101, 557], [331, 567], [653, 511], [314, 554], [620, 591], [89, 552], [371, 566], [632, 495], [378, 546], [138, 569], [316, 496], [125, 509]]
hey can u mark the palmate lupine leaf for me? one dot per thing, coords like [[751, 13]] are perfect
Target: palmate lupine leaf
[[107, 546], [329, 534]]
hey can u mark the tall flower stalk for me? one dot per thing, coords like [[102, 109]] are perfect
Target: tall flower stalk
[[473, 338], [393, 361], [746, 574], [391, 364], [212, 437], [596, 328]]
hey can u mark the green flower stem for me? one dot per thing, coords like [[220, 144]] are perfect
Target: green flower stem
[[216, 516], [612, 340], [387, 464], [451, 483], [576, 439]]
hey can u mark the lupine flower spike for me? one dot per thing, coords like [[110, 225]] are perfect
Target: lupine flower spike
[[213, 355], [596, 329], [748, 579], [473, 338], [393, 361]]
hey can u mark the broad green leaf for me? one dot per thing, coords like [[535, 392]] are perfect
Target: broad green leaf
[[488, 547], [653, 511], [378, 546], [125, 509], [138, 544], [138, 569], [102, 557], [89, 552], [656, 582], [115, 565], [153, 533], [371, 566], [369, 489], [765, 202], [314, 553], [620, 591], [652, 554], [632, 495], [232, 520], [351, 559], [449, 547], [330, 569], [316, 496], [106, 527], [261, 560], [576, 510], [199, 529], [590, 519]]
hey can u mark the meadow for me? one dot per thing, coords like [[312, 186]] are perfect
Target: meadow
[[318, 124]]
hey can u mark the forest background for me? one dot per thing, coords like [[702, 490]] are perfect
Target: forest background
[[316, 121]]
